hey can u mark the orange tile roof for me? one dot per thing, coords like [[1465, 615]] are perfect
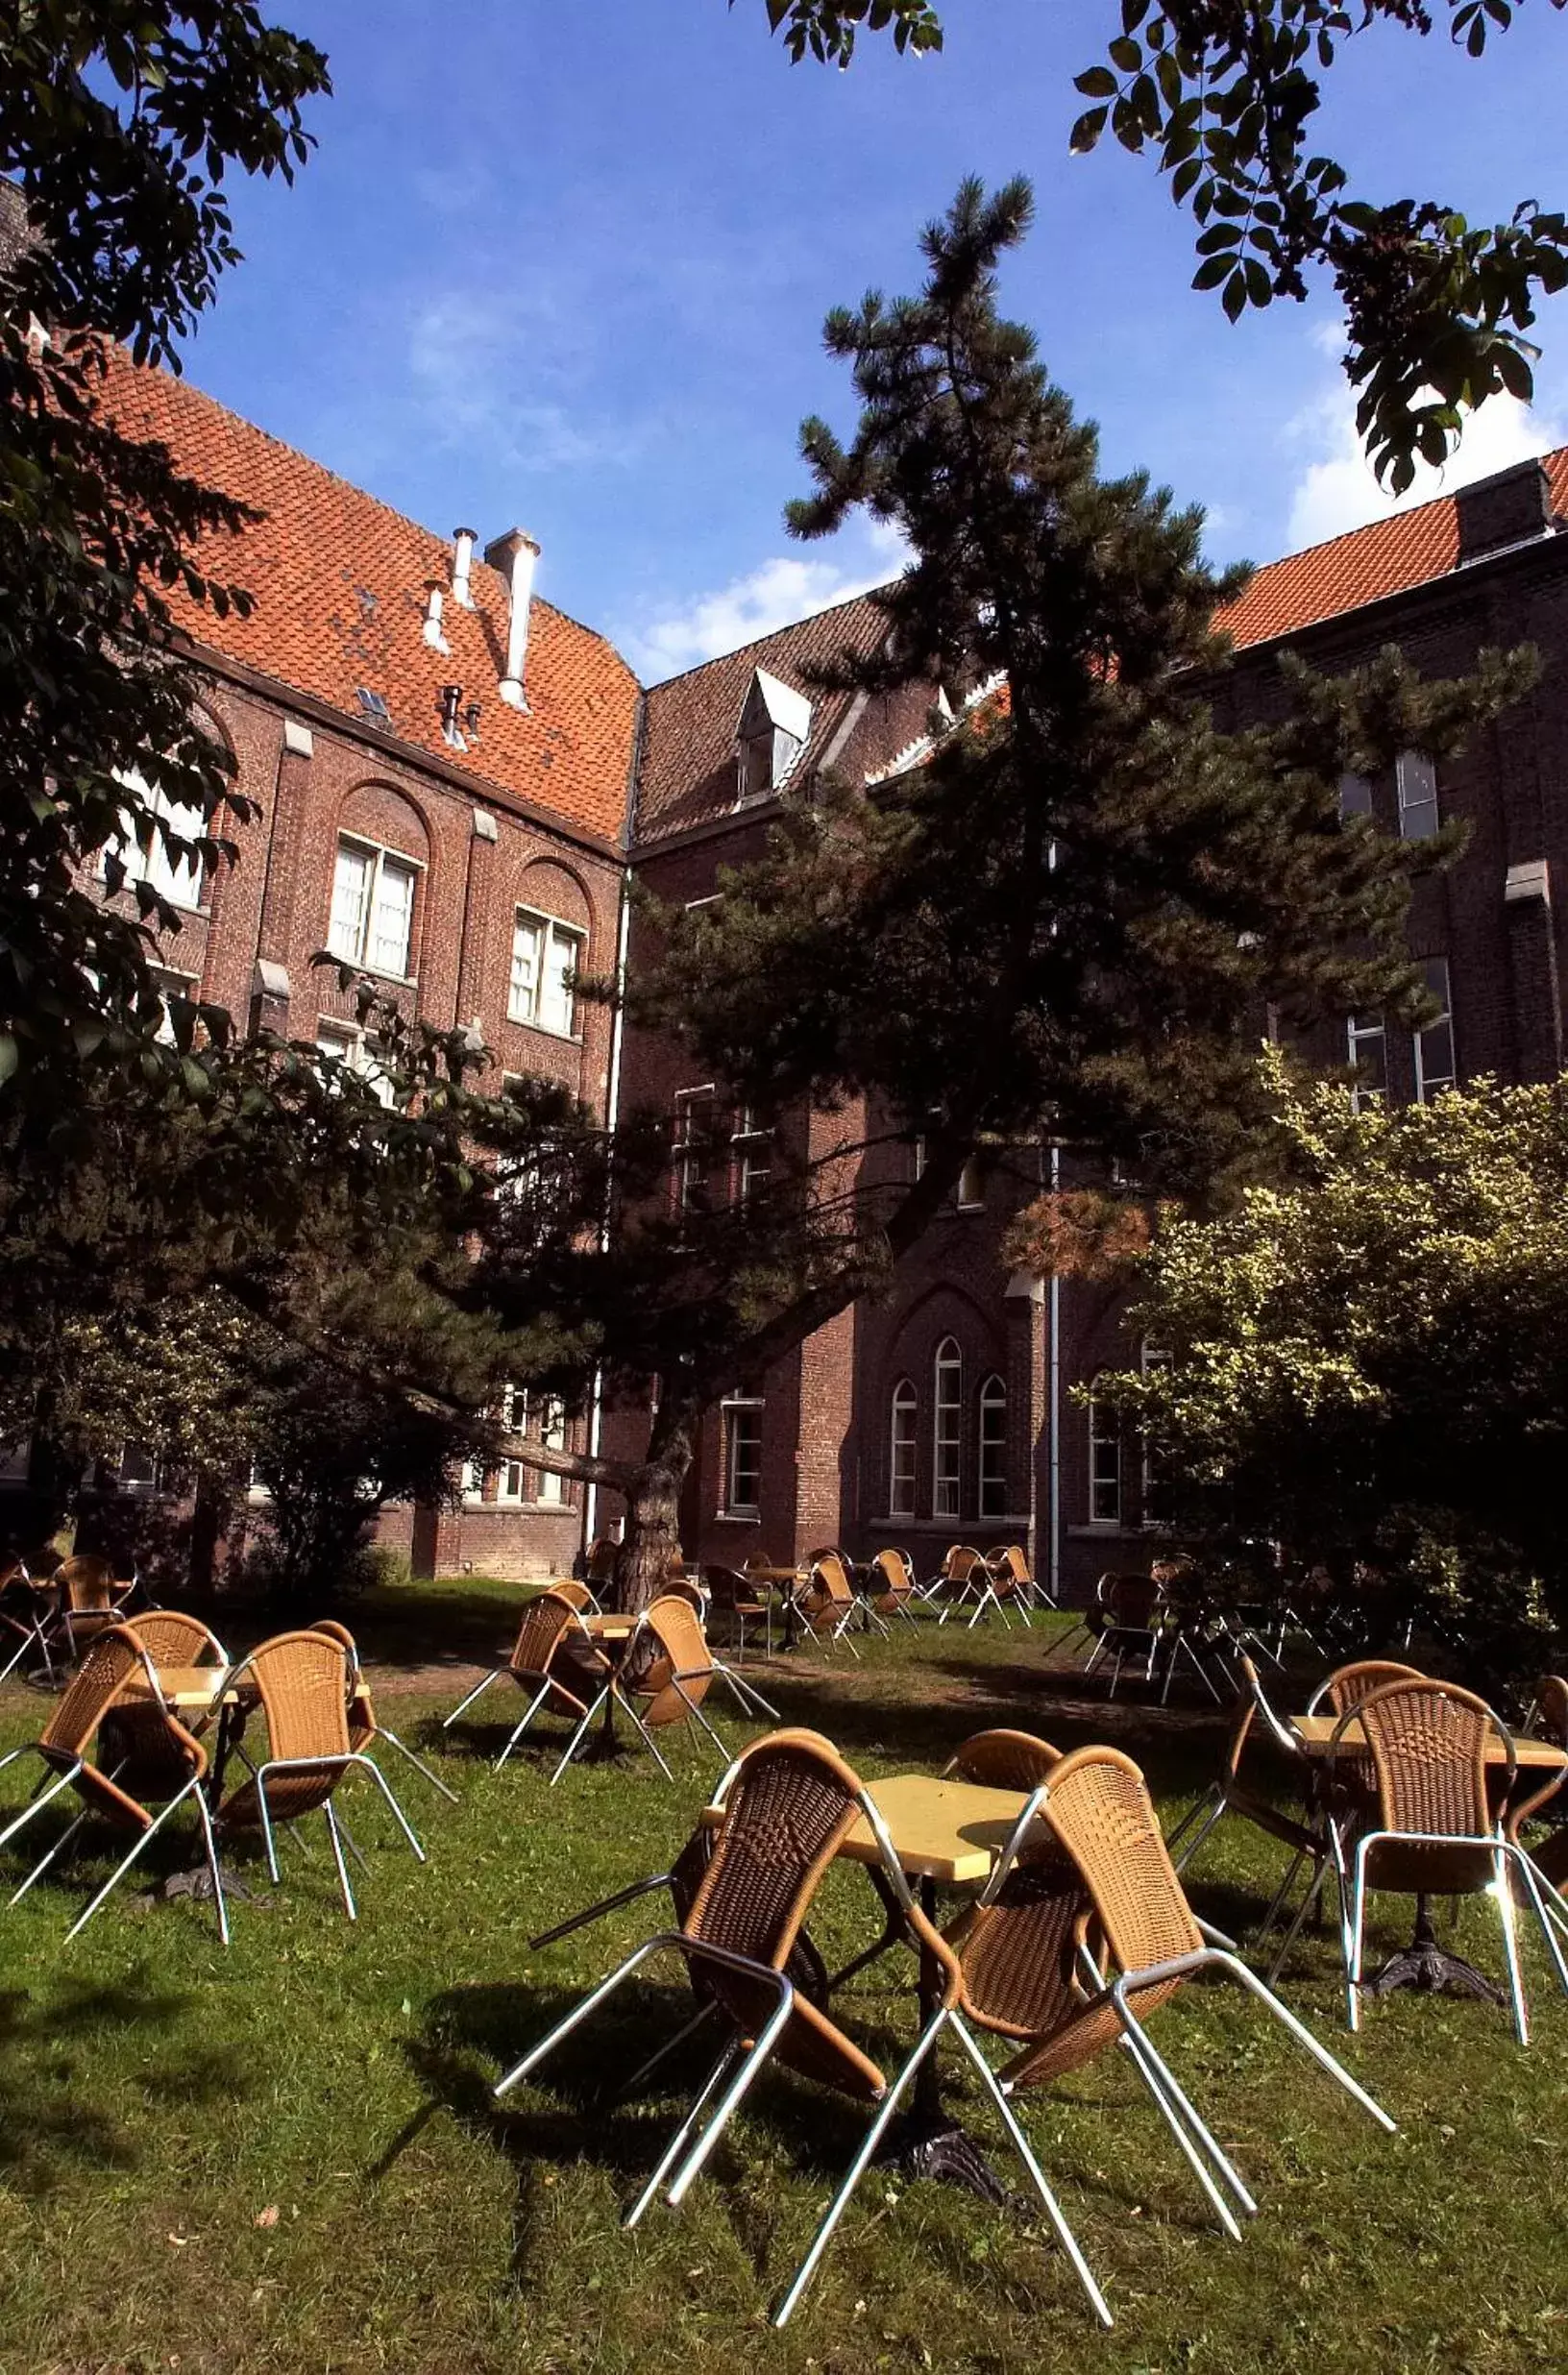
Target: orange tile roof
[[339, 585], [1391, 556]]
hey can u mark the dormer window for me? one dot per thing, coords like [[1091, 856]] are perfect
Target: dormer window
[[772, 733]]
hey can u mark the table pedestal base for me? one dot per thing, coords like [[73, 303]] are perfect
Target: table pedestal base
[[1428, 1966], [197, 1883], [930, 2144]]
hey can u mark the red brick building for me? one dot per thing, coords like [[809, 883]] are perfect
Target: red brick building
[[455, 782]]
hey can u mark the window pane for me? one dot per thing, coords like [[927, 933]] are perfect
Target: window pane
[[523, 997], [743, 1448], [1104, 1465], [1365, 1049], [1416, 779], [1355, 796], [944, 1495], [901, 1462], [1434, 1065], [351, 903], [992, 1448], [392, 919], [556, 1005]]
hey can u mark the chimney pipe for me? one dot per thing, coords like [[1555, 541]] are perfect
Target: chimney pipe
[[462, 557], [432, 615], [514, 554]]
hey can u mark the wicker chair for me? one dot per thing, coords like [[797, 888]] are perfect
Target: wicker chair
[[89, 1600], [733, 1594], [1230, 1795], [1003, 1760], [1133, 1611], [170, 1766], [555, 1661], [891, 1586], [28, 1612], [962, 1576], [665, 1673], [364, 1729], [1348, 1685], [1097, 1813], [1011, 1572], [827, 1605], [1549, 1856], [1433, 1833], [788, 1806], [302, 1679]]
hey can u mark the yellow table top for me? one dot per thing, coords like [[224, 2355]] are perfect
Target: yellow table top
[[940, 1830], [610, 1627], [1315, 1732], [185, 1686]]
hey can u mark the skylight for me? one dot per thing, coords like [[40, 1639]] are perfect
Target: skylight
[[372, 705]]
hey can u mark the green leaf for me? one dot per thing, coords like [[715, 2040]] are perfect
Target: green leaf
[[1095, 83], [1086, 132]]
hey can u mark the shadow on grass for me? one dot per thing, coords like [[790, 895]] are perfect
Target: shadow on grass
[[50, 2051]]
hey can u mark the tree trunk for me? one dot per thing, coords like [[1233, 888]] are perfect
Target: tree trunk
[[652, 1535]]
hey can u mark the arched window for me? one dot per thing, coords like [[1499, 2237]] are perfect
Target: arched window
[[993, 1448], [901, 1452], [1104, 1463], [948, 1430]]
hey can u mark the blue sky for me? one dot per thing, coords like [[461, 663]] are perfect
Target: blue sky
[[565, 266]]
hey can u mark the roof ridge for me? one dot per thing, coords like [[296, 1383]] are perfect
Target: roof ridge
[[846, 602], [1388, 519]]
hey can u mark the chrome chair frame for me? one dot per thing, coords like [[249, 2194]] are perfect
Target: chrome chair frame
[[697, 2141], [1506, 1853]]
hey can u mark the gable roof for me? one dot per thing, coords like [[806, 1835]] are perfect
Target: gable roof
[[1389, 557], [339, 584], [687, 776]]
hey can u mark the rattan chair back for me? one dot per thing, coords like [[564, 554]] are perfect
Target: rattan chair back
[[890, 1581], [1131, 1601], [791, 1803], [829, 1577], [1427, 1743], [302, 1681], [575, 1595], [172, 1638], [960, 1561], [1348, 1685], [87, 1584], [154, 1752], [546, 1619], [1004, 1760], [674, 1628], [1010, 1569], [1018, 1949], [361, 1711], [679, 1585], [601, 1557], [1551, 1709], [1100, 1813], [732, 1592]]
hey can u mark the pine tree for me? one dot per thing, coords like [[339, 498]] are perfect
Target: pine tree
[[1067, 921]]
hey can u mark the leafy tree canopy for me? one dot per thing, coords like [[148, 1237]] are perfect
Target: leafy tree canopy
[[1369, 1359], [1226, 93], [119, 122]]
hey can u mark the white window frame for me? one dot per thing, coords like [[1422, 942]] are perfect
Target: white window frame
[[1355, 796], [692, 1152], [991, 1440], [171, 985], [947, 1430], [733, 1409], [903, 1442], [1104, 1463], [1415, 785], [527, 1004], [1430, 1075], [1368, 1030], [180, 882], [364, 933], [755, 1154], [352, 1048], [1150, 1357]]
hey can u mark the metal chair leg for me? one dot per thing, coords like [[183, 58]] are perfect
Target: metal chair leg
[[1010, 2119], [418, 1763], [493, 1675], [36, 1803], [124, 1866], [673, 2149], [571, 1749], [349, 1906], [534, 1705], [1146, 2068]]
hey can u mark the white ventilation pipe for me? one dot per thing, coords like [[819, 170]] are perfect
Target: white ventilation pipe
[[514, 556], [433, 599], [462, 560]]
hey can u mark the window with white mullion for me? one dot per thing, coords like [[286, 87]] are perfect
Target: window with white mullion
[[901, 1451], [372, 917], [743, 1456], [1104, 1465], [547, 955], [947, 1434], [993, 1448], [1415, 782], [1366, 1049], [176, 879], [1435, 1065]]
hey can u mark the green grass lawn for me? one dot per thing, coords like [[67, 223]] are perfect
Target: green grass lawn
[[287, 2156]]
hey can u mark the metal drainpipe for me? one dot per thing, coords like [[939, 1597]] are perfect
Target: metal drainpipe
[[1054, 1411], [612, 1111]]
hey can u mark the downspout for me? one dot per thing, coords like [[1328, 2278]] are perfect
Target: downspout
[[612, 1094], [1053, 1399]]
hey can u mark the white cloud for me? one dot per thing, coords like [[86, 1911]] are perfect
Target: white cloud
[[1336, 489], [493, 371], [774, 595]]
